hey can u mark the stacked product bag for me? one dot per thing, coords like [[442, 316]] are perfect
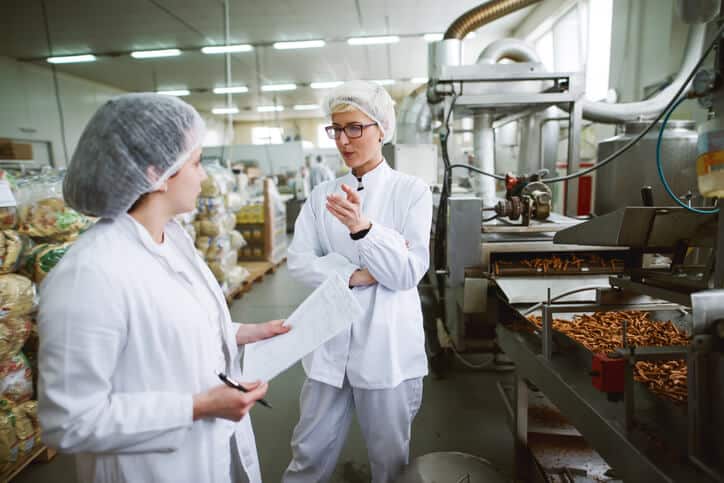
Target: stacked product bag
[[19, 431], [45, 219], [217, 240]]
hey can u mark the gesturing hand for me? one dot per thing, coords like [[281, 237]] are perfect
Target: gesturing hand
[[348, 210]]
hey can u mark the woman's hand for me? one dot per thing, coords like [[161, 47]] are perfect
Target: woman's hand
[[361, 278], [249, 333], [348, 211], [228, 403]]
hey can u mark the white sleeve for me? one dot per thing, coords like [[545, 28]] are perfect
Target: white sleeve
[[83, 329], [399, 260], [305, 256]]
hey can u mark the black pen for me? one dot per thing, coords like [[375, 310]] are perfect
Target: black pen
[[225, 379]]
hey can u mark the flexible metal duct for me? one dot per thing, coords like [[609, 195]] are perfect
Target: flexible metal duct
[[632, 111], [483, 14]]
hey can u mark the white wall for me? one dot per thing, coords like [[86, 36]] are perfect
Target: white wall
[[28, 108]]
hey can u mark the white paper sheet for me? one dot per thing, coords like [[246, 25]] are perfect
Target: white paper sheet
[[329, 310]]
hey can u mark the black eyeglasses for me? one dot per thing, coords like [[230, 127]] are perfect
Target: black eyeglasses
[[352, 131]]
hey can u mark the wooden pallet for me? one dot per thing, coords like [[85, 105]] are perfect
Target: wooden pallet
[[257, 272], [39, 454]]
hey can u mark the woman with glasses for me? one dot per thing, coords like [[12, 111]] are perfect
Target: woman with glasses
[[372, 227]]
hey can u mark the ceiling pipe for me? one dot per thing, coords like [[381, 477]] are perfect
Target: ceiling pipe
[[483, 14]]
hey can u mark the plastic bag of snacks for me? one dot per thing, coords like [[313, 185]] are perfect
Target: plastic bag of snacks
[[42, 258], [8, 217], [16, 381], [213, 248], [250, 214], [14, 332], [209, 207], [236, 276], [234, 201], [11, 249], [236, 239], [221, 268], [17, 295], [8, 440], [218, 225], [219, 181], [42, 213]]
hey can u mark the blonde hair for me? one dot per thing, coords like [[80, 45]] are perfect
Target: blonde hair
[[343, 107]]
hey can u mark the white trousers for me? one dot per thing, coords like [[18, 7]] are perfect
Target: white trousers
[[385, 416]]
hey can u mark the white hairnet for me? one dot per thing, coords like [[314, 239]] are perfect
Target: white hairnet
[[128, 137], [370, 98]]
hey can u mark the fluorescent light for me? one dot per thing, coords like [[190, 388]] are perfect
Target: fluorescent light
[[384, 82], [306, 107], [325, 85], [419, 80], [301, 44], [177, 92], [150, 54], [278, 87], [225, 110], [231, 90], [224, 49], [270, 108], [432, 37], [471, 35], [71, 59], [387, 39]]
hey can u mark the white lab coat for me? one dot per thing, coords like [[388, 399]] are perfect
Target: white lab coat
[[387, 344], [124, 345]]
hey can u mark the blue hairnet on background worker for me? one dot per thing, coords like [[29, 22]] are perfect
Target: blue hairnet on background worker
[[372, 227], [133, 325]]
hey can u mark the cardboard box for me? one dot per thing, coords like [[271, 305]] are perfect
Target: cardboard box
[[13, 150]]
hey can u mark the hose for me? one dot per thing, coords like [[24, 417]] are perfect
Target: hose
[[660, 167], [483, 14]]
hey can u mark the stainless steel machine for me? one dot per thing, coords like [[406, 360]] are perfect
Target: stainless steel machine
[[519, 278]]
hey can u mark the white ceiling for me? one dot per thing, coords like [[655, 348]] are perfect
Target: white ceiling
[[105, 26]]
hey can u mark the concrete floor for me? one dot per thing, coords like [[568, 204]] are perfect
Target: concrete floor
[[462, 412]]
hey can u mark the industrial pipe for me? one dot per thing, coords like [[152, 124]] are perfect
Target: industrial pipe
[[483, 14], [632, 111], [513, 49]]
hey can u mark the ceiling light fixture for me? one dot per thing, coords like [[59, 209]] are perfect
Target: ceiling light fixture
[[384, 82], [301, 44], [72, 59], [278, 87], [270, 108], [386, 39], [231, 90], [432, 37], [325, 85], [306, 107], [151, 54], [225, 110], [227, 49], [176, 92]]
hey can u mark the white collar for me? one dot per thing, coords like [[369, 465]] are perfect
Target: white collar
[[372, 179]]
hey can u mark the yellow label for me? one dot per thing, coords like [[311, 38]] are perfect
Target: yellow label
[[709, 162]]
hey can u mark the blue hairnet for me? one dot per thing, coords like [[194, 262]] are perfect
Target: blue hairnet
[[370, 98], [131, 145]]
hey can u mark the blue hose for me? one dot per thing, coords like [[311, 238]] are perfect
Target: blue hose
[[660, 167]]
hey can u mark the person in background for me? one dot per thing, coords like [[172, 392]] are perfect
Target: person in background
[[301, 184], [372, 228], [133, 326], [320, 173]]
